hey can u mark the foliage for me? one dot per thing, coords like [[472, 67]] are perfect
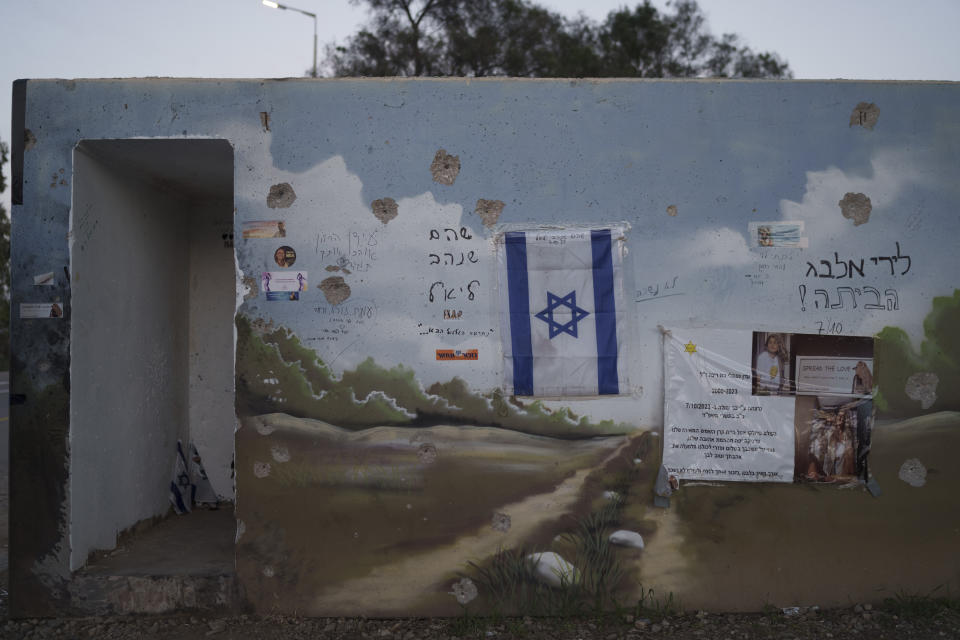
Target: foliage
[[921, 605], [517, 38], [939, 353], [276, 373], [4, 269]]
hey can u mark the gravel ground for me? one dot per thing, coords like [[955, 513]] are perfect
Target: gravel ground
[[919, 618]]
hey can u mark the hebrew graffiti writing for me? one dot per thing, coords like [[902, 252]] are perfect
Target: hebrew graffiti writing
[[452, 259], [451, 235], [848, 298], [849, 267]]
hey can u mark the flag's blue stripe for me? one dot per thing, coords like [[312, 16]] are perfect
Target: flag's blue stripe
[[605, 312], [518, 289]]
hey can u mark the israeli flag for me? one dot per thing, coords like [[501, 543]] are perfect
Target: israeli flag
[[562, 310]]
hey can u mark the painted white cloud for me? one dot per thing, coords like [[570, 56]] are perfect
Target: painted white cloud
[[718, 247], [893, 171]]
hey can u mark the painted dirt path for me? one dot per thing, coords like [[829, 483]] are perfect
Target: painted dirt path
[[393, 589]]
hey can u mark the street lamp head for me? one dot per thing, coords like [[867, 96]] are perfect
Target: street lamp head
[[272, 4]]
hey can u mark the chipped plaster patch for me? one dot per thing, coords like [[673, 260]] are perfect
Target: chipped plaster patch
[[464, 591], [261, 469], [913, 472], [385, 209], [29, 140], [335, 289], [281, 196], [280, 453], [672, 210], [427, 453], [501, 522], [489, 211], [856, 206], [865, 115], [445, 167], [263, 428], [250, 289], [241, 529], [923, 388]]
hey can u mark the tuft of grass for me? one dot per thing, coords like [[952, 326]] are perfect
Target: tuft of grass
[[509, 584], [921, 605], [656, 607]]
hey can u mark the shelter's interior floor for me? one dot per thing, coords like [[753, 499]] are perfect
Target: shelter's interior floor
[[200, 543]]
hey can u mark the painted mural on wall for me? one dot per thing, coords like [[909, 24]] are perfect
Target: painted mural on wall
[[383, 466], [386, 466]]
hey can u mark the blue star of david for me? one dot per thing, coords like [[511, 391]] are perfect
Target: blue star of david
[[570, 302]]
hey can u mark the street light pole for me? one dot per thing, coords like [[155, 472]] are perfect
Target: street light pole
[[277, 5]]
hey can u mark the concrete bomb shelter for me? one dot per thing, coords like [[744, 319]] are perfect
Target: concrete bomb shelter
[[314, 282]]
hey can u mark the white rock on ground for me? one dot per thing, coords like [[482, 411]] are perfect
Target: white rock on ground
[[626, 538], [611, 495], [551, 569]]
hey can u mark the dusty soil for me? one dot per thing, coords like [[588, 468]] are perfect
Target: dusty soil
[[924, 619]]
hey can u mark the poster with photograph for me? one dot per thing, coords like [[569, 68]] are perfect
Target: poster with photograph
[[767, 406]]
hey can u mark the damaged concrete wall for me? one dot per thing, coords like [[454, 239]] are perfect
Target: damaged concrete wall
[[372, 205]]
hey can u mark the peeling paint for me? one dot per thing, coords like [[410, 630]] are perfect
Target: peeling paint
[[241, 529], [445, 167], [501, 522], [672, 210], [865, 114], [280, 453], [281, 196], [385, 209], [268, 571], [856, 206], [250, 288], [913, 473], [265, 121], [427, 453], [923, 388], [489, 211], [335, 289], [261, 469], [29, 140]]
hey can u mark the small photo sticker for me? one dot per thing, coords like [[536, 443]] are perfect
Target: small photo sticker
[[264, 229], [41, 310], [777, 234], [276, 296], [457, 354], [44, 280], [285, 256]]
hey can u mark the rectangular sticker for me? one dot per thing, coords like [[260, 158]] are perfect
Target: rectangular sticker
[[264, 229], [274, 296], [44, 280], [273, 281], [41, 310], [457, 354], [777, 234]]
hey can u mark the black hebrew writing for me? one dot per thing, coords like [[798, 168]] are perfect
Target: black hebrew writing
[[849, 267], [867, 298]]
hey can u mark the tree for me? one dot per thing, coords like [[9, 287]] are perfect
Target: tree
[[518, 38], [4, 269]]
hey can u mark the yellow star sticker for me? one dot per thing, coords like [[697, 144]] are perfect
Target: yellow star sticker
[[690, 347]]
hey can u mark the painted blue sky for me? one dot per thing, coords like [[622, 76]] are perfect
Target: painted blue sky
[[877, 39]]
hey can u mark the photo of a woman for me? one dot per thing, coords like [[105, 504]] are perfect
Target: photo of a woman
[[285, 256], [770, 364]]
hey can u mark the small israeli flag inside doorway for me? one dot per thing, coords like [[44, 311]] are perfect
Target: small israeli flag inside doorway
[[562, 311]]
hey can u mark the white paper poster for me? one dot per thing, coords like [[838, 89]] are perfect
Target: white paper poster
[[715, 428]]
